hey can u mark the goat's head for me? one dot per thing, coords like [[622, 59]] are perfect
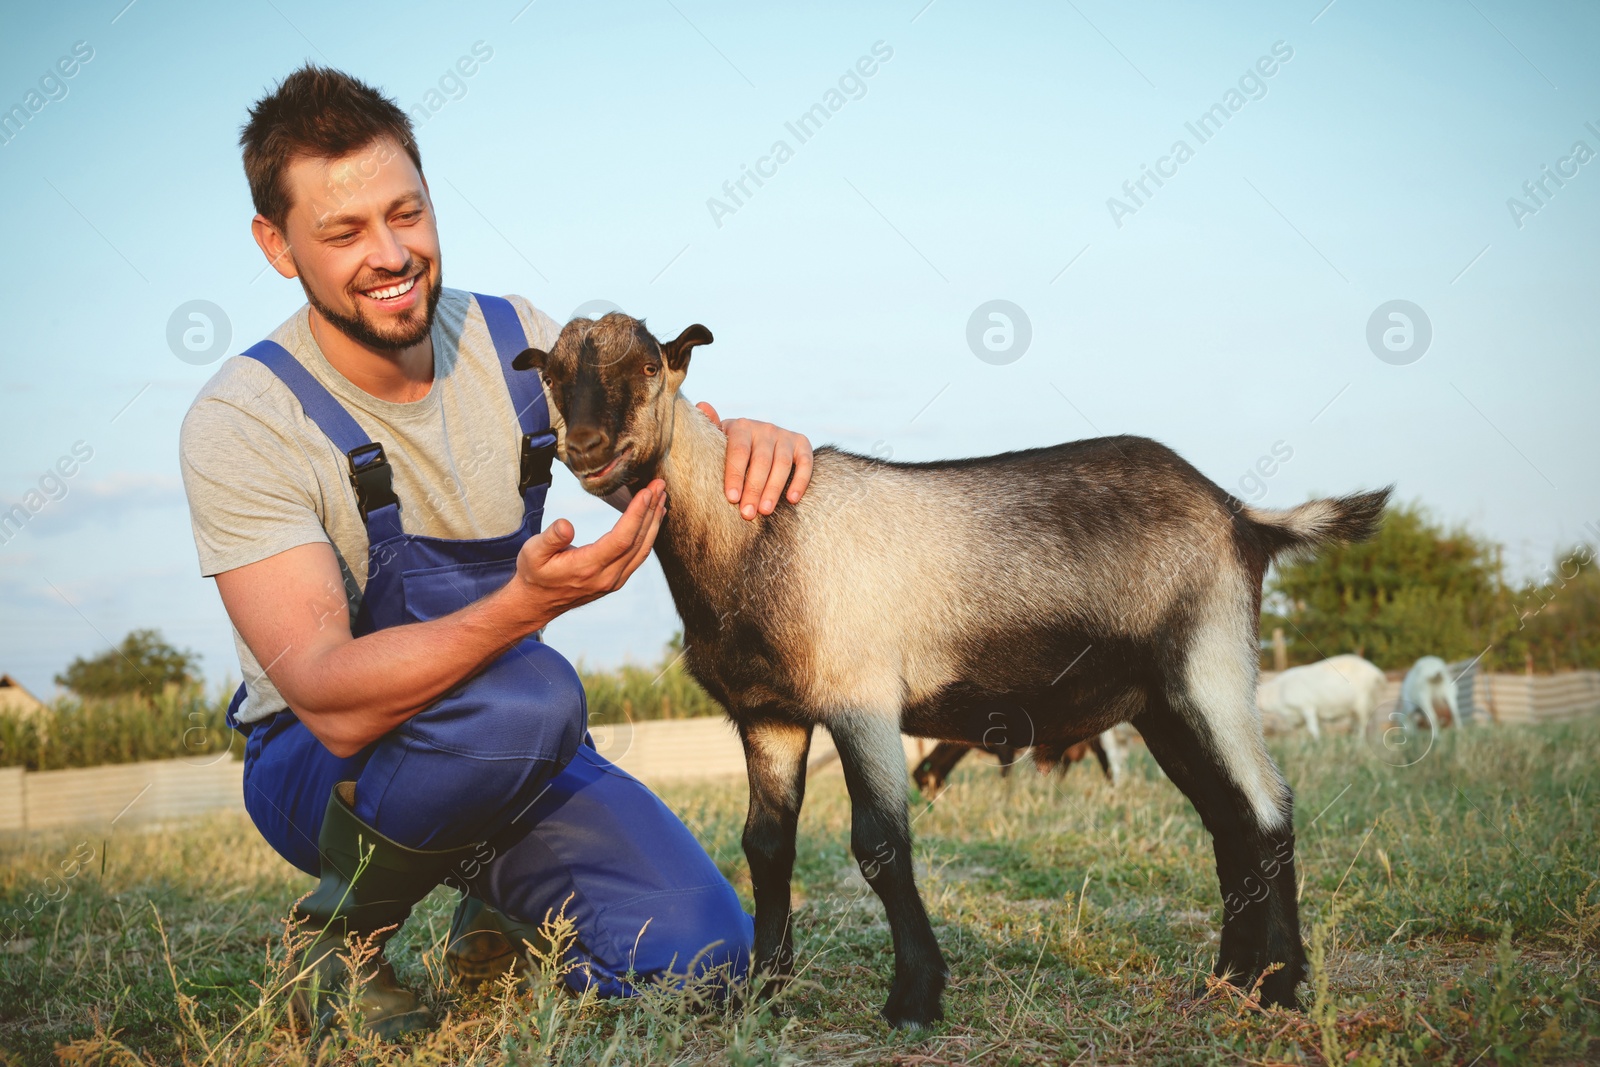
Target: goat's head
[[613, 386]]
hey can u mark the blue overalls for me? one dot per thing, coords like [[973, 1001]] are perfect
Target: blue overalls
[[503, 758]]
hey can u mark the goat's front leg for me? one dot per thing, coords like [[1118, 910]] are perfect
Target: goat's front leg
[[1309, 713], [775, 753], [875, 771]]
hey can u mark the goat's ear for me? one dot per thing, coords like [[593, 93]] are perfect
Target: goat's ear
[[533, 358], [677, 350]]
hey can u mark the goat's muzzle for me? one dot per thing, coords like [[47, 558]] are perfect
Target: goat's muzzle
[[588, 448]]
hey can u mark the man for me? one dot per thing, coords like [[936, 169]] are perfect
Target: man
[[367, 489]]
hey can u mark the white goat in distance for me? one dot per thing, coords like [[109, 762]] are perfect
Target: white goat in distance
[[1429, 691], [1337, 689]]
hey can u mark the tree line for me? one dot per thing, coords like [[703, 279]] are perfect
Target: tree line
[[1422, 588]]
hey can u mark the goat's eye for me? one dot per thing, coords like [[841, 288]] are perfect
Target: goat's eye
[[650, 370]]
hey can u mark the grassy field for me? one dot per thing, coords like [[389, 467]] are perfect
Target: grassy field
[[1453, 907]]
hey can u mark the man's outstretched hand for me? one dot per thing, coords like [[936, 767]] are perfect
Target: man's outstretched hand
[[555, 577], [760, 459]]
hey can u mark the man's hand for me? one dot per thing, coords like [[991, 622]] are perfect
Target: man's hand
[[555, 577], [760, 459]]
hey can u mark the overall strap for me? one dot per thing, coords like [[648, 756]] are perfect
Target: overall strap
[[370, 473], [527, 397]]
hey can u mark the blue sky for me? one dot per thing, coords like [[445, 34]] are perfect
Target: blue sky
[[1227, 315]]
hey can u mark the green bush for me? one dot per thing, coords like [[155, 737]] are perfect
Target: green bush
[[178, 722], [1557, 620], [183, 722], [631, 693], [1421, 588]]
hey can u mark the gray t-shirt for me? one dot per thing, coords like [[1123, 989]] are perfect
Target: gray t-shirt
[[262, 478]]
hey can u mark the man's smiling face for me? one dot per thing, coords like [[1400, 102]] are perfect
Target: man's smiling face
[[364, 244]]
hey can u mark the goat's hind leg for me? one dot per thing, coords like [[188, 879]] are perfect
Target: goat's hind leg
[[775, 752], [1113, 755], [1211, 747], [880, 836], [934, 771]]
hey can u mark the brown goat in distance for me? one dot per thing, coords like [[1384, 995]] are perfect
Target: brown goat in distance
[[933, 771], [1093, 583]]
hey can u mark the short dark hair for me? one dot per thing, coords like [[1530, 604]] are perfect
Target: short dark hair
[[316, 112]]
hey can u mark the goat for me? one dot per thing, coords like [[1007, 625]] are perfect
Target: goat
[[1429, 691], [1078, 586], [934, 770], [1331, 690]]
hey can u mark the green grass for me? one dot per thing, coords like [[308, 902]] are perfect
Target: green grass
[[1453, 909]]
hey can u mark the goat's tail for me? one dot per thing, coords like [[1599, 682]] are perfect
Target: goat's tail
[[1319, 522]]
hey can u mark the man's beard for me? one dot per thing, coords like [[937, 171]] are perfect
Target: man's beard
[[408, 331]]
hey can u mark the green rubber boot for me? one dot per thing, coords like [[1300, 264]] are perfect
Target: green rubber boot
[[485, 943], [368, 882]]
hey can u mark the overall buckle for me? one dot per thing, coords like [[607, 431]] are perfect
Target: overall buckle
[[538, 451], [374, 480]]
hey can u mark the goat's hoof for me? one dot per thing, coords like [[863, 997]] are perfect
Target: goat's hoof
[[911, 1019], [1277, 990], [771, 983], [914, 1005], [771, 990]]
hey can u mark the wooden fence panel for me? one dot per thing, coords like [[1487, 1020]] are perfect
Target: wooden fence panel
[[12, 814], [124, 793], [680, 749]]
